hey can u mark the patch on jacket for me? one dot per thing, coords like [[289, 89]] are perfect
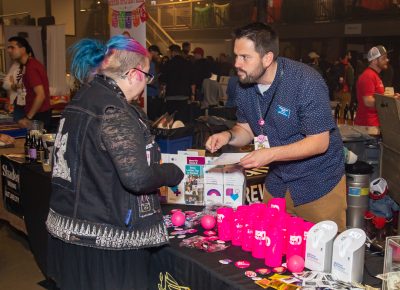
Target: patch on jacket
[[61, 168]]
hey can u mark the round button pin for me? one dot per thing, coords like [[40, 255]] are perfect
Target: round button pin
[[242, 264], [250, 274], [263, 271], [225, 261]]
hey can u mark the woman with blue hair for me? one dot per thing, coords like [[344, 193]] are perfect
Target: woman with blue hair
[[105, 214]]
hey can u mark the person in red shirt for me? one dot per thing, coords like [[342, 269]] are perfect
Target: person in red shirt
[[368, 84], [35, 81]]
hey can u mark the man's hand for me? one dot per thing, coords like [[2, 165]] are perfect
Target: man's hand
[[216, 141], [25, 123], [257, 158]]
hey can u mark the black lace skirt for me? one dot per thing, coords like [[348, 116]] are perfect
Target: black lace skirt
[[75, 267]]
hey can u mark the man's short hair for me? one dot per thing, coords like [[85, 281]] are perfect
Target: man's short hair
[[265, 38]]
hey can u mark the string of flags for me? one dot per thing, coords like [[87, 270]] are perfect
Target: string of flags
[[125, 19]]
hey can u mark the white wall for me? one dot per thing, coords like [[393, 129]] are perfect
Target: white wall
[[64, 13]]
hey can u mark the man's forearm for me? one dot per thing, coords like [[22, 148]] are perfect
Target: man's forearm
[[37, 103], [310, 146], [369, 101], [241, 135]]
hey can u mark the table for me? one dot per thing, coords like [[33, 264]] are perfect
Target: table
[[29, 214], [195, 269], [189, 268]]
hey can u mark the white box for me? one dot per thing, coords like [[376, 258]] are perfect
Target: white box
[[233, 195], [213, 174], [234, 186], [233, 175]]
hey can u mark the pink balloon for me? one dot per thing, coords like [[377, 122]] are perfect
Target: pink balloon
[[295, 264], [208, 222], [178, 218]]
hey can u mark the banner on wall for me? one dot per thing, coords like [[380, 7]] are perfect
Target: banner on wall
[[129, 17]]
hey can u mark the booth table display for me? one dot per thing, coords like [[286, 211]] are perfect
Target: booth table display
[[171, 265], [175, 267]]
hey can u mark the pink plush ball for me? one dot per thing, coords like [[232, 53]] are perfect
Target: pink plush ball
[[295, 264], [208, 222], [178, 218]]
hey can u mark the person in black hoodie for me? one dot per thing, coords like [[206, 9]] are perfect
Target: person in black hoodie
[[105, 214]]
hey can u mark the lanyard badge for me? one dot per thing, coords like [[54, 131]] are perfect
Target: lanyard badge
[[261, 141]]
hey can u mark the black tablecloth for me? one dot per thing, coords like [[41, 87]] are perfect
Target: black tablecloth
[[196, 269], [188, 267], [35, 197]]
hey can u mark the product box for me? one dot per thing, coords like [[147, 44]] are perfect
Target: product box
[[204, 183], [234, 186]]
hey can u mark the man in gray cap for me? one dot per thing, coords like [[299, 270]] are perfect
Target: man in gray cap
[[368, 84]]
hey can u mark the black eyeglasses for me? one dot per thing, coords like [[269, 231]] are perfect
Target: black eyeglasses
[[149, 76]]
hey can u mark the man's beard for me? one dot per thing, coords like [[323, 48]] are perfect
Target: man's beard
[[253, 78], [383, 66]]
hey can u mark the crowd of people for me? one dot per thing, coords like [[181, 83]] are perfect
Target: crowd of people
[[353, 80], [185, 76]]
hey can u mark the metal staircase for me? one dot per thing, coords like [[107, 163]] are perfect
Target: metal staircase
[[155, 34]]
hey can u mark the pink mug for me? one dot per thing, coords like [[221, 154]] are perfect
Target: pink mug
[[258, 208], [278, 203], [295, 236], [274, 247], [248, 232], [260, 232], [239, 217], [224, 223]]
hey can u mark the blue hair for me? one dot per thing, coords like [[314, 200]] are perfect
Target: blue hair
[[88, 54], [120, 42]]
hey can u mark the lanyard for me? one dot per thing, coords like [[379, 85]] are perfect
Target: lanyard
[[261, 120]]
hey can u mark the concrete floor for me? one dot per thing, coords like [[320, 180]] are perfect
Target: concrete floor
[[18, 269]]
